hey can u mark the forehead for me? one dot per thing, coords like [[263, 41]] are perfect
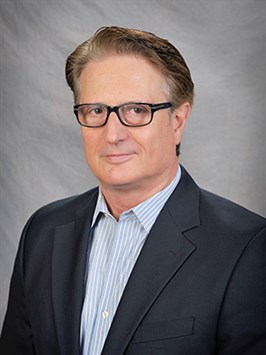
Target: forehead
[[121, 78]]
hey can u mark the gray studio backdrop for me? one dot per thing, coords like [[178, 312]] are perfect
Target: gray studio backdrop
[[42, 160]]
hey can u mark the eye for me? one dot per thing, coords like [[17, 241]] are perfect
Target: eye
[[92, 111], [95, 110], [137, 109]]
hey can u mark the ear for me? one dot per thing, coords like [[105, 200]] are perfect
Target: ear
[[179, 118]]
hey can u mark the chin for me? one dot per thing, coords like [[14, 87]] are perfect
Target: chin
[[119, 183]]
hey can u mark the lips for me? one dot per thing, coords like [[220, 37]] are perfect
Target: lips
[[117, 158]]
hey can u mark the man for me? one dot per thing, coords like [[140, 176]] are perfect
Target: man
[[148, 263]]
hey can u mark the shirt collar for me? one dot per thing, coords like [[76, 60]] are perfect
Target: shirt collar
[[148, 210]]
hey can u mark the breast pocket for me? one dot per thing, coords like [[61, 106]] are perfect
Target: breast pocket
[[164, 330]]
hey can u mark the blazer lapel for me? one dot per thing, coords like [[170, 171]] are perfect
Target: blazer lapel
[[165, 251], [68, 267]]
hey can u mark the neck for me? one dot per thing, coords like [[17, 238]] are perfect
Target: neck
[[123, 198]]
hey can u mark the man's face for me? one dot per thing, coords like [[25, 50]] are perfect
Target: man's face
[[140, 159]]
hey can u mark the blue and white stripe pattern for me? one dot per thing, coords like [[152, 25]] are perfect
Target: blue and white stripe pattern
[[114, 251]]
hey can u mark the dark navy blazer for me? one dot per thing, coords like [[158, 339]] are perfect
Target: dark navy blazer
[[197, 288]]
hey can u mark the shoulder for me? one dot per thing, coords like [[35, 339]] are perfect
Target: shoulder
[[64, 210], [230, 228], [224, 212], [216, 215]]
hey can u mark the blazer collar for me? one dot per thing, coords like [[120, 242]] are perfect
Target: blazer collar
[[184, 203]]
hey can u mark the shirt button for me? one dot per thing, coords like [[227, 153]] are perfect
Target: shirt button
[[105, 314]]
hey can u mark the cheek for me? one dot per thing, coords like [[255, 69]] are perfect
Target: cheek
[[163, 138], [87, 138], [152, 146], [142, 140], [87, 145]]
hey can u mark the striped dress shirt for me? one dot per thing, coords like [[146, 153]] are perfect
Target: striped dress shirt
[[114, 250]]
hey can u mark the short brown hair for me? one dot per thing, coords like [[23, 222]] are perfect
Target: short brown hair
[[124, 41]]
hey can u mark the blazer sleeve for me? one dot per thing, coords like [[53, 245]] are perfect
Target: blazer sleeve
[[242, 325], [16, 337]]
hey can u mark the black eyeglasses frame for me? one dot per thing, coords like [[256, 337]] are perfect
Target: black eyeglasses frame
[[154, 108]]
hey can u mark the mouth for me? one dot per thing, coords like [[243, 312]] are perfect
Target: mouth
[[117, 158]]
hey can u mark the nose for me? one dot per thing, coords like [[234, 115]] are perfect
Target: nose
[[114, 130]]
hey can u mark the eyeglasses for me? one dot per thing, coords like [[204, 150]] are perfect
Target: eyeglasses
[[132, 114]]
